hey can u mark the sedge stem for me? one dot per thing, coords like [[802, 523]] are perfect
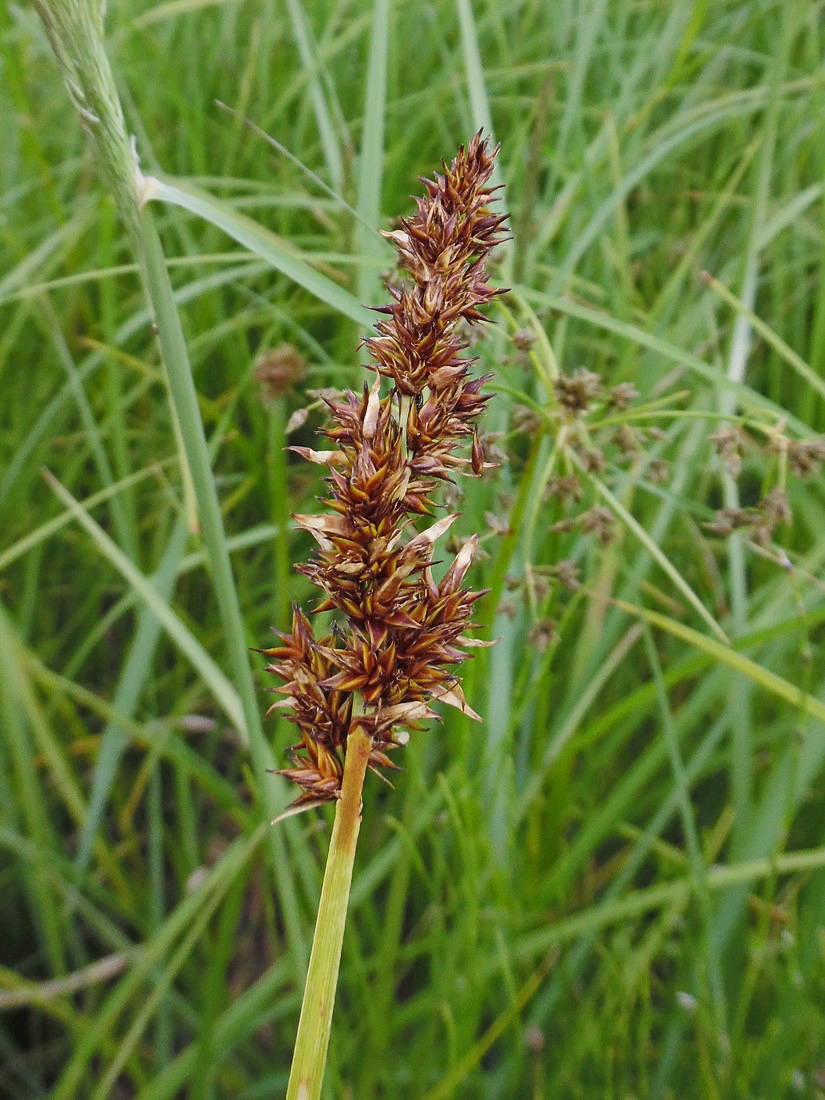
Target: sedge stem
[[309, 1058]]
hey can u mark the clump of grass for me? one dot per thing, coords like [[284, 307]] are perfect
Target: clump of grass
[[354, 690], [643, 799]]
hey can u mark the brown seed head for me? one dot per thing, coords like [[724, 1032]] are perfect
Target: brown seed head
[[404, 632], [278, 368]]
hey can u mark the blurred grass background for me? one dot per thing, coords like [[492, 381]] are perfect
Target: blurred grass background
[[612, 886]]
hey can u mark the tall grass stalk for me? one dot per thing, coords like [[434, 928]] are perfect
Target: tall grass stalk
[[75, 30]]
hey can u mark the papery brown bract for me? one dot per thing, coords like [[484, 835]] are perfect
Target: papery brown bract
[[404, 633]]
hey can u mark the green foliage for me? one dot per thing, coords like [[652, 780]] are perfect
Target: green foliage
[[614, 885]]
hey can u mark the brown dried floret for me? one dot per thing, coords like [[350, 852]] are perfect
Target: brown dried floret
[[277, 369], [600, 522], [805, 456], [593, 461], [771, 512], [727, 442], [658, 471], [564, 487], [567, 574], [774, 508], [728, 520], [622, 396], [542, 634], [576, 393], [628, 440], [524, 339]]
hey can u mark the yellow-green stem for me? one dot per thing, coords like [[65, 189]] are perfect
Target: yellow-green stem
[[310, 1055]]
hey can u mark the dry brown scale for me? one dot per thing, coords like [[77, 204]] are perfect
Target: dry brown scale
[[404, 633]]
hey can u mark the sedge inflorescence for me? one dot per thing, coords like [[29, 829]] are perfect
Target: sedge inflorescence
[[398, 633]]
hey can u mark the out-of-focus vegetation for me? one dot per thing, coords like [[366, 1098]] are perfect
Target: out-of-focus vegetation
[[611, 886]]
